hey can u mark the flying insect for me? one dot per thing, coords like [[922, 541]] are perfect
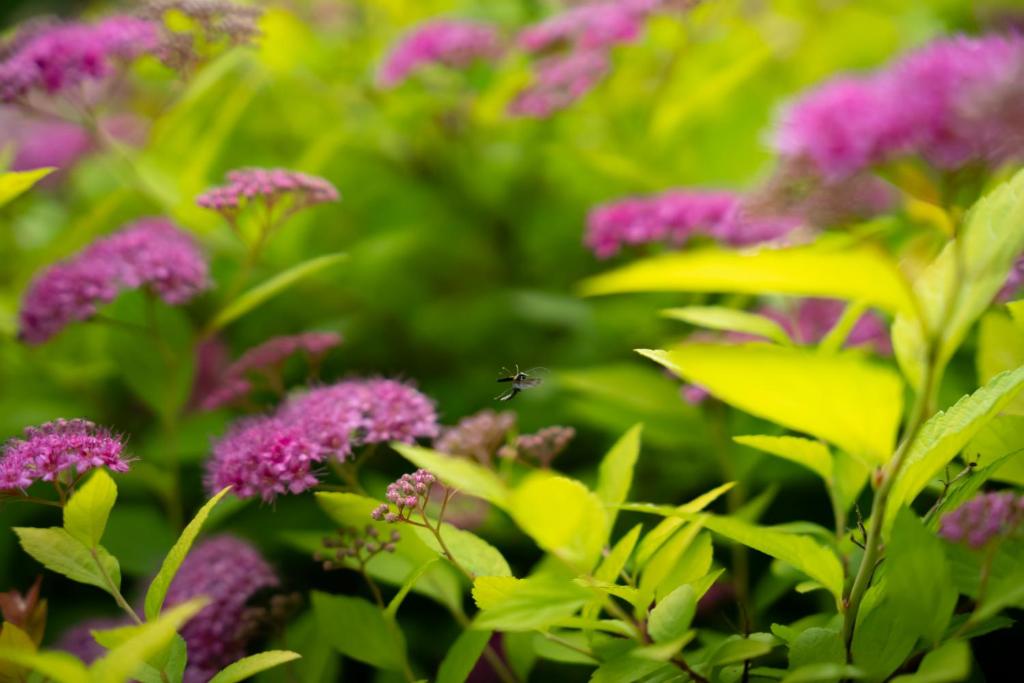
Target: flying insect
[[520, 380]]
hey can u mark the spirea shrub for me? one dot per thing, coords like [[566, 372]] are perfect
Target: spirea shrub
[[809, 220]]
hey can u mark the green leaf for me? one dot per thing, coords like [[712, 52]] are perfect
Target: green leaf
[[462, 656], [919, 573], [458, 473], [168, 663], [803, 553], [406, 588], [148, 640], [842, 398], [510, 604], [359, 630], [657, 570], [1006, 581], [86, 514], [692, 566], [1000, 348], [813, 455], [675, 517], [948, 664], [823, 673], [275, 285], [59, 551], [562, 516], [247, 667], [615, 473], [730, 320], [157, 590], [998, 450], [476, 555], [671, 617], [946, 433], [736, 649], [626, 668], [615, 561], [836, 269], [816, 646], [14, 183], [59, 666]]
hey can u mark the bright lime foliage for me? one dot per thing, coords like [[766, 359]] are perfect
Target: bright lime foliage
[[607, 341]]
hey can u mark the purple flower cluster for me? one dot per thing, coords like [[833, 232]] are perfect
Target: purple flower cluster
[[945, 103], [542, 447], [273, 352], [591, 26], [581, 39], [478, 436], [983, 518], [272, 186], [276, 454], [150, 253], [214, 25], [408, 493], [229, 572], [55, 447], [354, 545], [64, 57], [676, 216], [453, 44]]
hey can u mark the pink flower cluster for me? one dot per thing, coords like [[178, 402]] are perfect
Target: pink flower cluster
[[63, 57], [583, 37], [150, 253], [478, 436], [55, 447], [945, 103], [408, 493], [676, 216], [542, 447], [276, 454], [453, 44], [229, 572], [266, 359], [272, 185], [985, 517]]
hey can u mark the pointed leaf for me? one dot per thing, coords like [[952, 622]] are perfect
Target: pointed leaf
[[59, 666], [462, 656], [86, 514], [670, 619], [841, 397], [459, 473], [476, 555], [59, 551], [360, 630], [615, 473], [14, 183], [813, 455], [510, 604], [730, 320], [247, 667]]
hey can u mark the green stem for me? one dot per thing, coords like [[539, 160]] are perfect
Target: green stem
[[113, 589]]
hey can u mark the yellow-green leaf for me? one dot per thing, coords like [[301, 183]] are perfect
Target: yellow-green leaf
[[835, 268], [460, 473], [562, 516], [510, 604], [61, 552], [14, 183], [473, 553], [86, 514], [813, 455], [162, 582], [247, 667], [615, 473], [842, 397], [730, 320], [58, 666]]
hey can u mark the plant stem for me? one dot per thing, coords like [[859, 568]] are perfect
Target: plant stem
[[113, 589]]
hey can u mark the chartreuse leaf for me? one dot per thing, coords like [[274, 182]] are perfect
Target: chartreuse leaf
[[802, 552], [440, 582], [562, 516], [86, 514], [667, 558], [360, 630], [842, 397], [1000, 348], [59, 551], [13, 638], [615, 473], [462, 656], [675, 516], [947, 664], [959, 285], [670, 619], [247, 667], [737, 649], [476, 555], [275, 285], [172, 562], [459, 473], [813, 455], [730, 320], [148, 640], [14, 183], [510, 604], [946, 433], [58, 666], [615, 561], [835, 268]]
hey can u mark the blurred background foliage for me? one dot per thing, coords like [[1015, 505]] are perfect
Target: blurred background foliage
[[463, 228]]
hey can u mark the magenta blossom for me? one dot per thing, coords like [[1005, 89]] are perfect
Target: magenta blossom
[[542, 447], [264, 456], [478, 436], [595, 25], [227, 571], [936, 103], [63, 58], [60, 446], [675, 217], [453, 44], [149, 253], [560, 80], [271, 185], [273, 352], [408, 493], [985, 517]]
